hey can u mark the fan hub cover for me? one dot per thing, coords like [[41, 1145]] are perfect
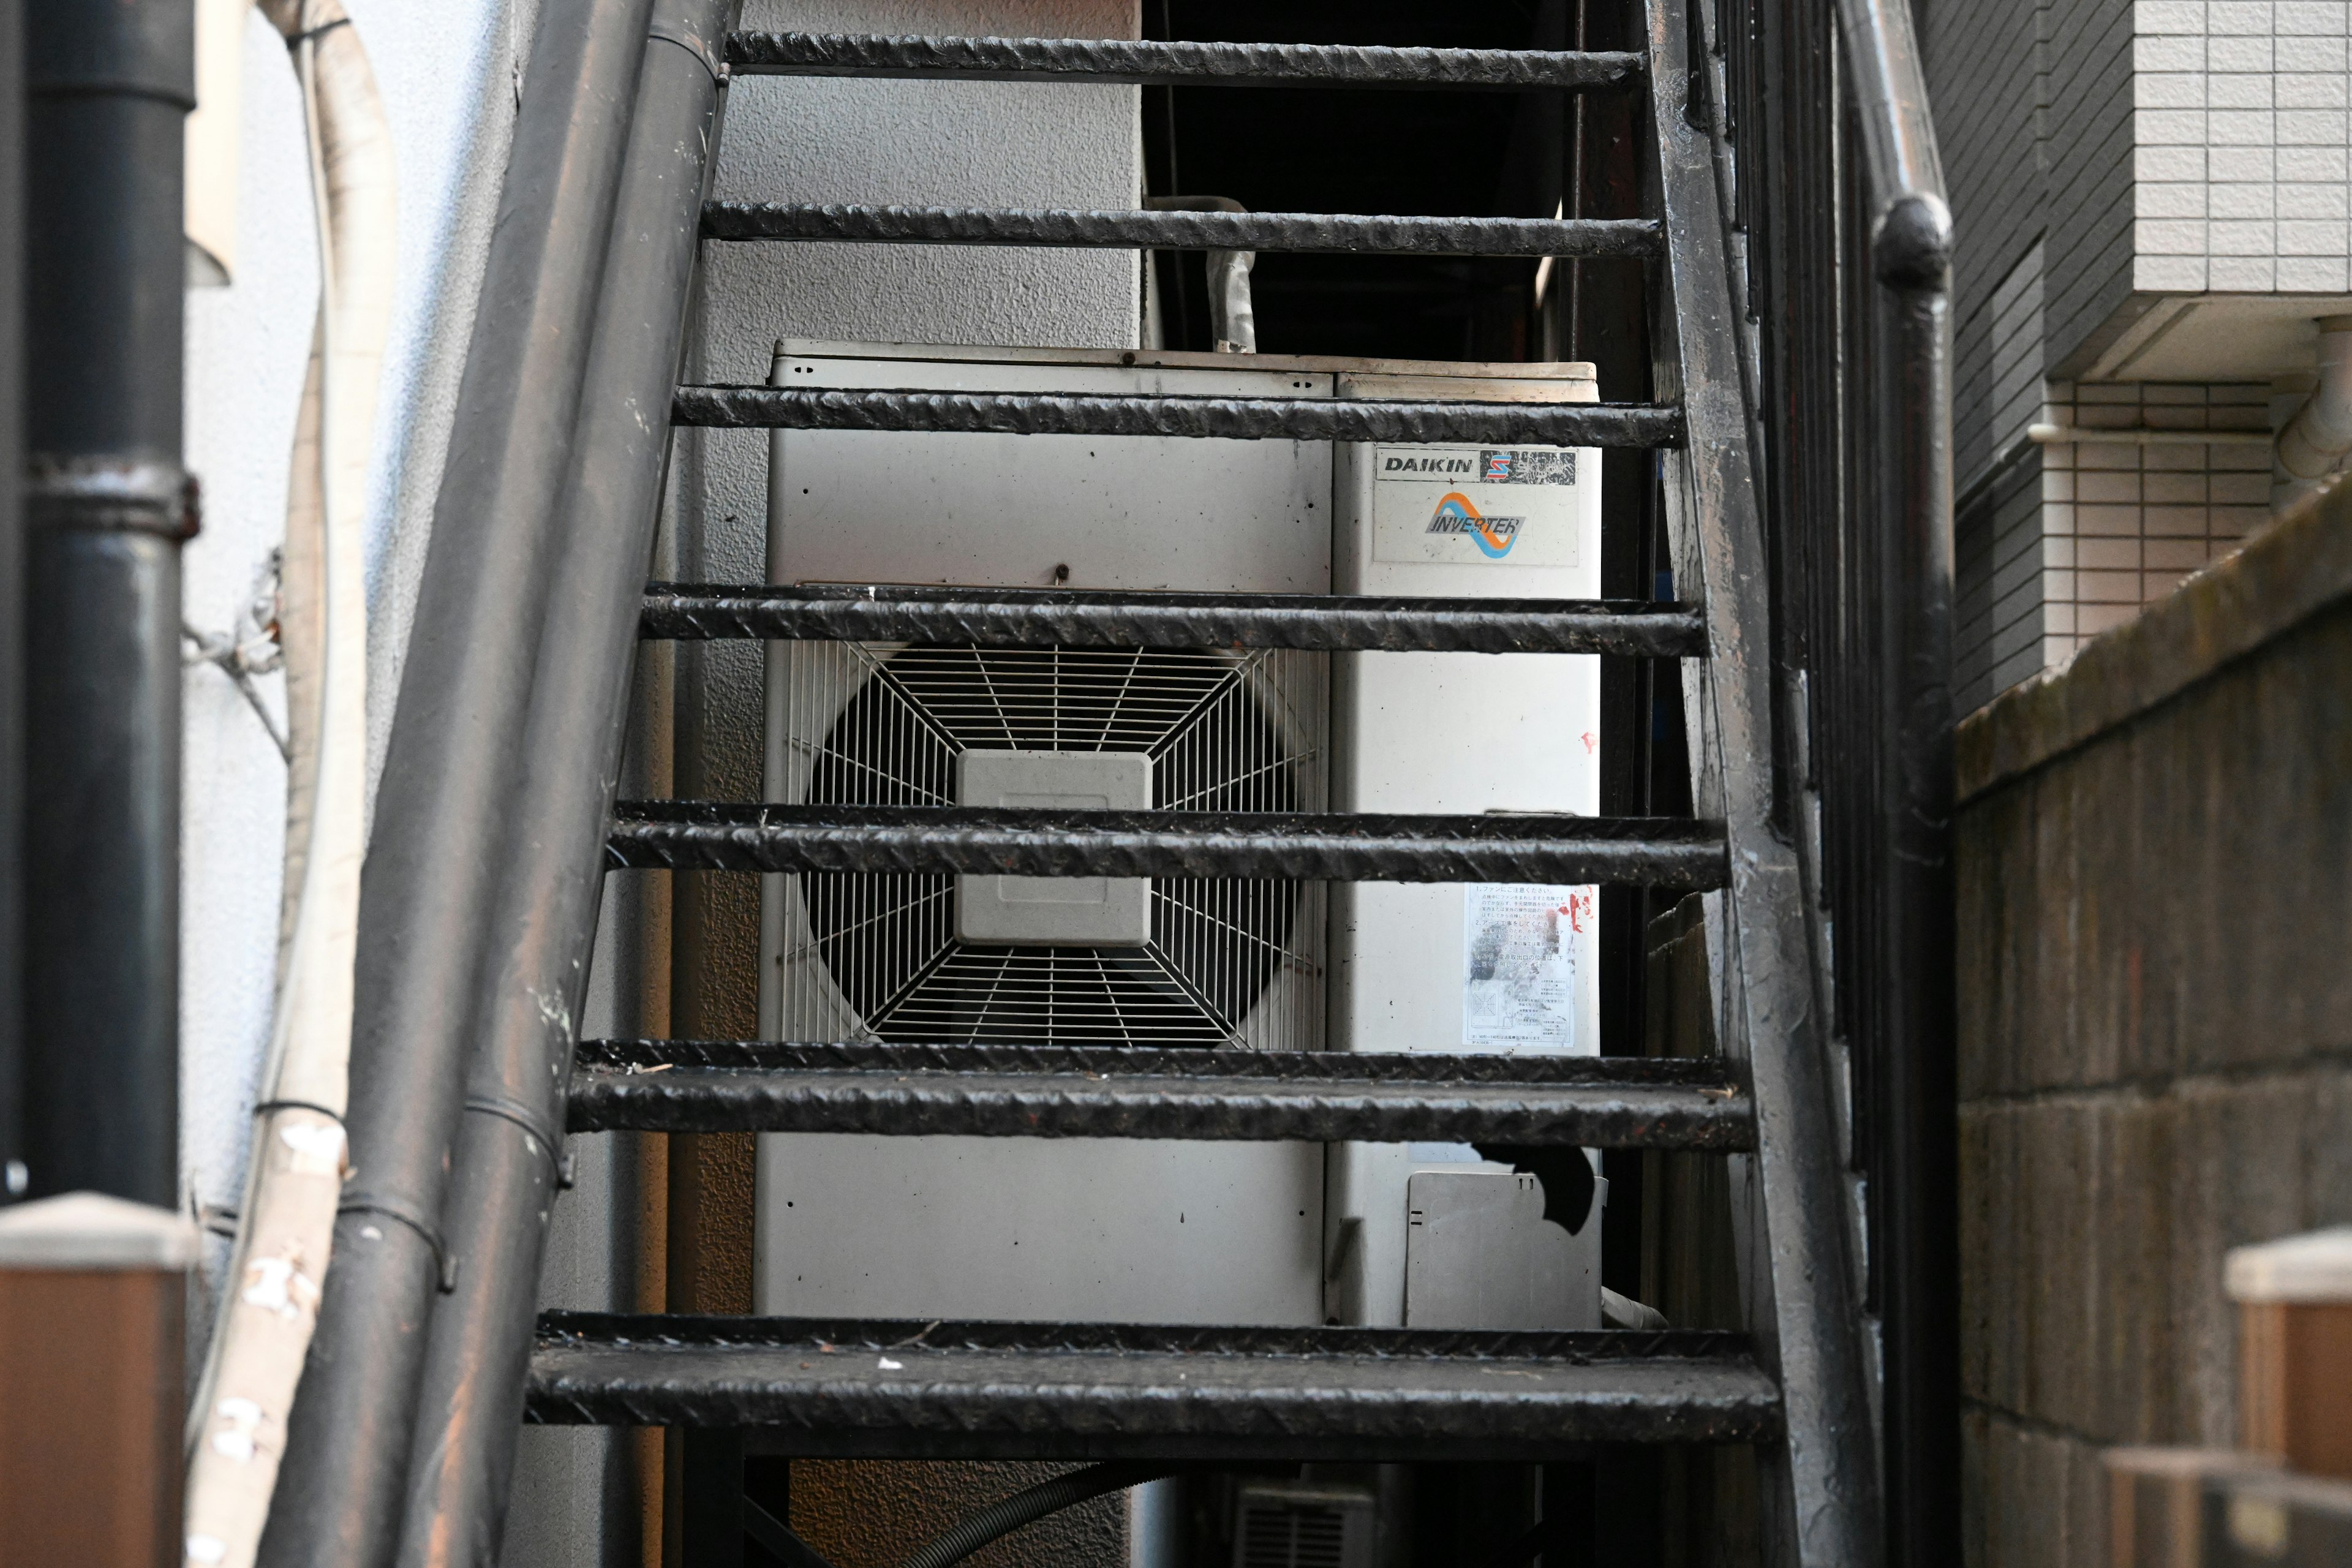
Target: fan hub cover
[[1055, 912]]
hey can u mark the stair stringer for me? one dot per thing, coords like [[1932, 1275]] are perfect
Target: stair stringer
[[1790, 1224]]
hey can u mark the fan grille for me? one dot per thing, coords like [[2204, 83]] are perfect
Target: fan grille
[[1229, 961]]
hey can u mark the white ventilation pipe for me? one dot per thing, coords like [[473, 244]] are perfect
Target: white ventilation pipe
[[2315, 442], [295, 1170], [1233, 318]]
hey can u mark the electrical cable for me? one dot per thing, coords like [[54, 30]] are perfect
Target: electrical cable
[[1022, 1507]]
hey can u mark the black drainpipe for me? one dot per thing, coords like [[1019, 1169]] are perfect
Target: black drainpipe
[[14, 1173], [534, 980], [443, 812], [108, 86]]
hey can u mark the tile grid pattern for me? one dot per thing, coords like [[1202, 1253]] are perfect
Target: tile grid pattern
[[2241, 145], [2123, 523]]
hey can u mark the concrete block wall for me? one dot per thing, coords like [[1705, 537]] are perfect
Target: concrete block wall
[[2155, 859]]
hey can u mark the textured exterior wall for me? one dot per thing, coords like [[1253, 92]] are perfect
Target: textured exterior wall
[[1986, 82], [1999, 563], [2070, 539], [2123, 524], [446, 70], [2241, 146], [2155, 880], [877, 1513], [2089, 119], [2034, 115], [2117, 166]]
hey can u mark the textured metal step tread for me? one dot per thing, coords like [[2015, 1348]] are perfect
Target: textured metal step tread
[[1065, 1091], [1337, 234], [736, 407], [711, 835], [1153, 62], [1017, 617], [1047, 1390]]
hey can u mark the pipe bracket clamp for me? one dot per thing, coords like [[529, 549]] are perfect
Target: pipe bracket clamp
[[107, 495], [535, 1130], [445, 1263]]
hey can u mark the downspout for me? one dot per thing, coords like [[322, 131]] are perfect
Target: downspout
[[108, 507], [14, 1173], [534, 978], [441, 828], [2315, 441], [295, 1168]]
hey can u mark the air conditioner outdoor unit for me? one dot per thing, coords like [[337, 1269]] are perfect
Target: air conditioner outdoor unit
[[1146, 1231]]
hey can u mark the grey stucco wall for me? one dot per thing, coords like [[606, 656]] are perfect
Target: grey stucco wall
[[2155, 882]]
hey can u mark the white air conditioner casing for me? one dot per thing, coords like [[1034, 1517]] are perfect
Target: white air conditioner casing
[[1136, 1230], [1446, 967]]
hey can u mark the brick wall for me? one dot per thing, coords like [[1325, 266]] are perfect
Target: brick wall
[[2155, 889]]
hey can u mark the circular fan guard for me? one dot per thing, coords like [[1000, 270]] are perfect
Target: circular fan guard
[[1209, 721]]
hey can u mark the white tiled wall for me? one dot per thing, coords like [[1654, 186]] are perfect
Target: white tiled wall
[[2241, 143], [2121, 524]]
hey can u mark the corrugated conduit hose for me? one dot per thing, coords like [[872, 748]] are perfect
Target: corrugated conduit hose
[[1027, 1506]]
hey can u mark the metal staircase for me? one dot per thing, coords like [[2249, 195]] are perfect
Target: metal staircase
[[449, 1306]]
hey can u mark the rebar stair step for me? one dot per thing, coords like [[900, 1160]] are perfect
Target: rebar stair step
[[914, 1389], [1121, 1091], [1309, 232], [1034, 617], [1156, 63], [726, 407], [1674, 853], [911, 1389]]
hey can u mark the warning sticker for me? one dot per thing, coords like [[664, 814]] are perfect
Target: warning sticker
[[1472, 504], [1522, 949]]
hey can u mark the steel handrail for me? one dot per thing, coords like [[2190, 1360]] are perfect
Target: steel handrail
[[1911, 234], [1908, 924]]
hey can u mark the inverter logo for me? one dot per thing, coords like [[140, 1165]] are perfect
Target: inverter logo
[[1494, 536]]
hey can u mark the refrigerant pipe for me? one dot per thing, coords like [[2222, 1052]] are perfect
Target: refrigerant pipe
[[294, 1171]]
